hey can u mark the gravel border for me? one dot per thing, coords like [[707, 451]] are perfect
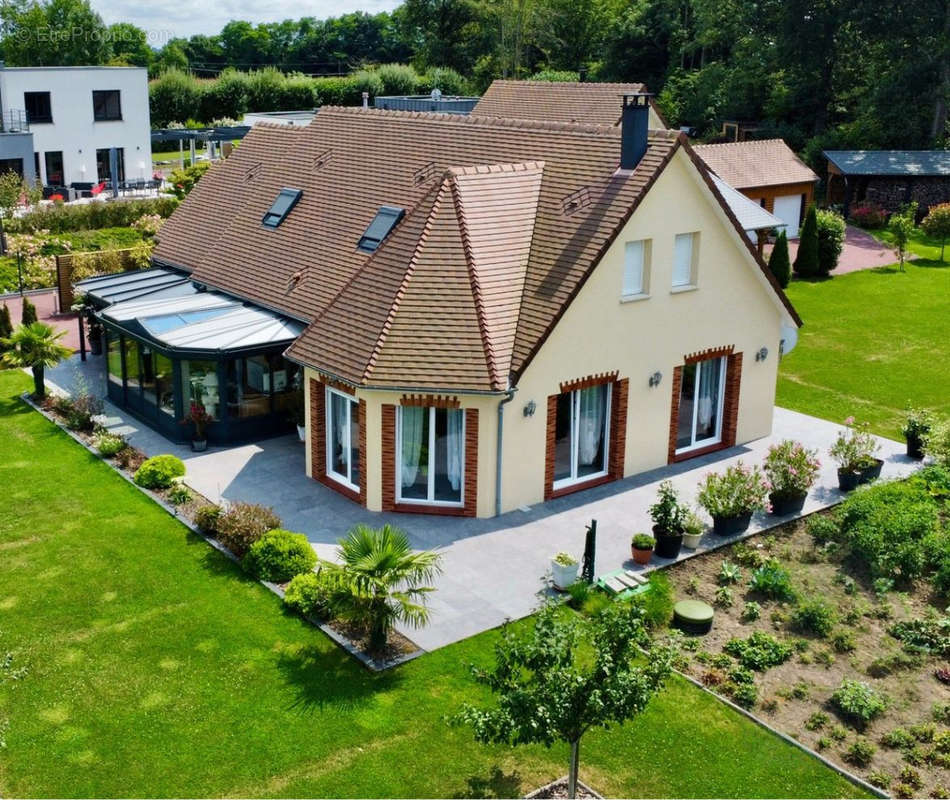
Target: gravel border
[[367, 661]]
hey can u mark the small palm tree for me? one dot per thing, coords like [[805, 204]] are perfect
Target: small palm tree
[[36, 346], [382, 581]]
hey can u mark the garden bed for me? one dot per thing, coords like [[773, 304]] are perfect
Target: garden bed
[[905, 749], [187, 504]]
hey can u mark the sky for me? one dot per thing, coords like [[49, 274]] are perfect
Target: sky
[[165, 19]]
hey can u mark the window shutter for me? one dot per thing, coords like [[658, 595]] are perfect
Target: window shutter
[[633, 269], [683, 259]]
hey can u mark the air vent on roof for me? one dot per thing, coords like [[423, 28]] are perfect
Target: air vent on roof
[[424, 173], [281, 207], [384, 221], [575, 201], [323, 158]]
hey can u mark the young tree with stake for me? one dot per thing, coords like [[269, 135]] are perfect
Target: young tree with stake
[[562, 678]]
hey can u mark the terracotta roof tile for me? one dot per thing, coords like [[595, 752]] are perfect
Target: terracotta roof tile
[[594, 103], [751, 164]]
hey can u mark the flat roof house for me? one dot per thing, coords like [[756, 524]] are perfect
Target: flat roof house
[[492, 312], [88, 124]]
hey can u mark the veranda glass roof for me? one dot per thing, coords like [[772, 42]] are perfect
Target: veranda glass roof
[[168, 308]]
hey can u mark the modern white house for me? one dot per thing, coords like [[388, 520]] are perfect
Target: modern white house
[[86, 124]]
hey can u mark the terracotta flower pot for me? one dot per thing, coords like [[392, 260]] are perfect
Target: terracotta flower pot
[[641, 556]]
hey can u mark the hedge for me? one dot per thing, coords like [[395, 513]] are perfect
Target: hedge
[[90, 216]]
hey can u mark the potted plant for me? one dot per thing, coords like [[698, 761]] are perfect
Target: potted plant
[[199, 417], [693, 530], [669, 516], [916, 428], [731, 497], [853, 450], [564, 570], [791, 471], [642, 548]]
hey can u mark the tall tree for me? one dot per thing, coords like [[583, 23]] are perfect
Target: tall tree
[[53, 33], [130, 45]]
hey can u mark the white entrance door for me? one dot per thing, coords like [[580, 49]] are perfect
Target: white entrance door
[[788, 208]]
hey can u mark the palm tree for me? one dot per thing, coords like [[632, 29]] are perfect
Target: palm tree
[[35, 345], [382, 581]]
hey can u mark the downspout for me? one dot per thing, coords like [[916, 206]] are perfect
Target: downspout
[[509, 396]]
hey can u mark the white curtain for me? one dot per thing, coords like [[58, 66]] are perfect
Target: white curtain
[[453, 444], [412, 424], [590, 423], [708, 392], [339, 433]]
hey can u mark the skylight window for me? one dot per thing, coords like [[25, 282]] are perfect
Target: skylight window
[[384, 221], [281, 207]]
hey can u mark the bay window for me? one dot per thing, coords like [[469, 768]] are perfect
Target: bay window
[[343, 438], [430, 455], [581, 434], [699, 422]]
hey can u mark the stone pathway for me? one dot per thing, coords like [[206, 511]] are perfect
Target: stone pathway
[[860, 251], [494, 569], [46, 311]]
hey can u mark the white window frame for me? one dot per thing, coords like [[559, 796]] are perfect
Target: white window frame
[[690, 281], [642, 290], [717, 437], [574, 479], [344, 480], [430, 488]]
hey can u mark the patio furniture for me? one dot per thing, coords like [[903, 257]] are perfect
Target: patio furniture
[[693, 616]]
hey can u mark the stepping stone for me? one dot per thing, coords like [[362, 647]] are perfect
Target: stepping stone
[[626, 580], [642, 580], [615, 585], [693, 616]]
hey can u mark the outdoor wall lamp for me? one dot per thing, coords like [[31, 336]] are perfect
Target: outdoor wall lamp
[[761, 354], [529, 408], [655, 379]]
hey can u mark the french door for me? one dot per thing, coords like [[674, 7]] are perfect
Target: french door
[[343, 439], [699, 423], [581, 435]]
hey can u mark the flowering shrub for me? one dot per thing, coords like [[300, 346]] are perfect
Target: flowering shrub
[[855, 447], [736, 491], [148, 224], [791, 469], [199, 417], [867, 215]]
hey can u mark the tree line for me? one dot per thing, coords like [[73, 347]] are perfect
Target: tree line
[[819, 73]]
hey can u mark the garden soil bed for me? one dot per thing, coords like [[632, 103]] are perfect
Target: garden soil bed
[[789, 695], [558, 789]]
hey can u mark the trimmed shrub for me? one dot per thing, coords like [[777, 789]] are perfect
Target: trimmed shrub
[[310, 593], [806, 260], [28, 312], [814, 616], [279, 555], [885, 526], [175, 96], [779, 264], [446, 80], [831, 230], [858, 702], [243, 524], [206, 519], [398, 78], [159, 472]]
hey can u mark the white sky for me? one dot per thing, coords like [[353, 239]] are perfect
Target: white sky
[[164, 19]]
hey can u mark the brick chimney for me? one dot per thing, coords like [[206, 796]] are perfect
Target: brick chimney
[[634, 125]]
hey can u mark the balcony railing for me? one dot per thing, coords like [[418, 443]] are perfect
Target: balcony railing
[[14, 121]]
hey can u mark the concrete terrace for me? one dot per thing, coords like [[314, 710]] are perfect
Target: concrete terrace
[[494, 569]]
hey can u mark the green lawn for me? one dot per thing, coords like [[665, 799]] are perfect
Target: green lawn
[[920, 245], [155, 668], [872, 342]]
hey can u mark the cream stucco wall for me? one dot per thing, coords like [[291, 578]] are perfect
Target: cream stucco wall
[[732, 304]]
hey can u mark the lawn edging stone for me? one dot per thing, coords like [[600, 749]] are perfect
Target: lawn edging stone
[[786, 738], [375, 665]]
